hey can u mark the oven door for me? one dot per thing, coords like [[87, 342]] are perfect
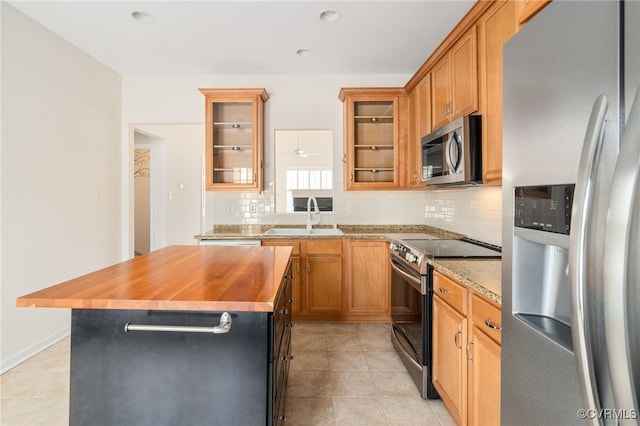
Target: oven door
[[409, 310]]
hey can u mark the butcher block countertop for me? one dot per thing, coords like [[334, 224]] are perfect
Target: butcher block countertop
[[180, 278]]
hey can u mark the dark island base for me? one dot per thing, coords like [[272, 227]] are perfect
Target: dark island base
[[169, 378]]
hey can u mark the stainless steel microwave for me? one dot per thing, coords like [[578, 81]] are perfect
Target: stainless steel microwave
[[452, 155]]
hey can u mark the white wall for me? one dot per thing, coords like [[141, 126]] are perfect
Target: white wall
[[60, 176], [176, 171]]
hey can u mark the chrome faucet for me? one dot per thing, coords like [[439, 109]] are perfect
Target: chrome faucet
[[310, 220]]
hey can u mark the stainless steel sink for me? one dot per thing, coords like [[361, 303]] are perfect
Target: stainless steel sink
[[303, 231]]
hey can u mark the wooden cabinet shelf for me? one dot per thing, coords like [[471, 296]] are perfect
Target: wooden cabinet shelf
[[234, 138], [373, 118]]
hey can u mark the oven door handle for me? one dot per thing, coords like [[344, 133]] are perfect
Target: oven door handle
[[415, 282]]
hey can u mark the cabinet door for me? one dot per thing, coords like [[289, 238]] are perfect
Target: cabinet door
[[234, 138], [324, 284], [375, 125], [420, 125], [296, 284], [464, 75], [424, 107], [449, 358], [440, 92], [297, 270], [367, 285], [497, 26], [484, 379]]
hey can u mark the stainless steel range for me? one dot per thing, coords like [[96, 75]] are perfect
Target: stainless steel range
[[412, 297]]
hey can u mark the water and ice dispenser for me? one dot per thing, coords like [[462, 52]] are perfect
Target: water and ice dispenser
[[542, 219]]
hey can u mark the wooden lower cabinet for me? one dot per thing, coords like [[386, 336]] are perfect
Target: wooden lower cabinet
[[484, 362], [324, 284], [449, 357], [368, 278], [484, 379], [338, 280], [466, 352]]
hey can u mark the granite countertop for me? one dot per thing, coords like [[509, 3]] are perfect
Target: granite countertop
[[238, 232], [481, 275]]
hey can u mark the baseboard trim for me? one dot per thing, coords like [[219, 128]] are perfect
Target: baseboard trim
[[32, 350]]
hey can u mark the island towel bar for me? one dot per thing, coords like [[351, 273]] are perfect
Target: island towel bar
[[224, 327]]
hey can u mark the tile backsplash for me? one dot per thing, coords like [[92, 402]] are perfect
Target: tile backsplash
[[475, 212]]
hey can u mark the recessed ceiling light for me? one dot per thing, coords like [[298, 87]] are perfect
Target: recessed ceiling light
[[330, 16], [143, 17], [304, 52]]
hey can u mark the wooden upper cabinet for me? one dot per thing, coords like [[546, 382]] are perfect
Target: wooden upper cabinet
[[234, 138], [454, 81], [530, 8], [419, 125], [496, 26], [373, 118], [424, 106]]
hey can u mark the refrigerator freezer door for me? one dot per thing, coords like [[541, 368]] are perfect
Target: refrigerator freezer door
[[622, 274]]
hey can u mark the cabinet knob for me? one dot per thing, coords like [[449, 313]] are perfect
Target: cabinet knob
[[444, 290]]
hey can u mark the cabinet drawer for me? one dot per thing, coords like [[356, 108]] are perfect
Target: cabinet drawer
[[293, 243], [450, 291], [486, 317], [323, 247]]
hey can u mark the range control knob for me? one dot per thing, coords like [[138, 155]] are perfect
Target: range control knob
[[412, 258]]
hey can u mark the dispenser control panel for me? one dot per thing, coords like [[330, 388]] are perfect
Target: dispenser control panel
[[544, 207]]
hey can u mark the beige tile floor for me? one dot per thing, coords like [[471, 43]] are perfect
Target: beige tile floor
[[345, 374], [342, 374]]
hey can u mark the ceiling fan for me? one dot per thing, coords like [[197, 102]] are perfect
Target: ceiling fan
[[304, 154], [301, 152]]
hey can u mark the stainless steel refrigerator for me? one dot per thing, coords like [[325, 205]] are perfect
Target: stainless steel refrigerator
[[571, 217]]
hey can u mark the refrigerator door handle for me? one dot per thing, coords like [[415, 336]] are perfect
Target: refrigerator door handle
[[578, 243], [618, 275]]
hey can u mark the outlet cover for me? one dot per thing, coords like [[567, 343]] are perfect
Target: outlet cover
[[352, 208]]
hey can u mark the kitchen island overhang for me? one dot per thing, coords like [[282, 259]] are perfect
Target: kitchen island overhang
[[139, 377]]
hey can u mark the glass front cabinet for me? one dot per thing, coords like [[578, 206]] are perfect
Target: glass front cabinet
[[371, 137], [234, 137]]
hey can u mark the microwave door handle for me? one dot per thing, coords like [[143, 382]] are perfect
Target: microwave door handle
[[454, 147]]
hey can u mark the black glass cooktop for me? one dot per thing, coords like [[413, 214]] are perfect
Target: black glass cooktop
[[454, 248]]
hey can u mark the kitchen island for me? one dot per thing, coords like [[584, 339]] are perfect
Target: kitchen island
[[185, 335]]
